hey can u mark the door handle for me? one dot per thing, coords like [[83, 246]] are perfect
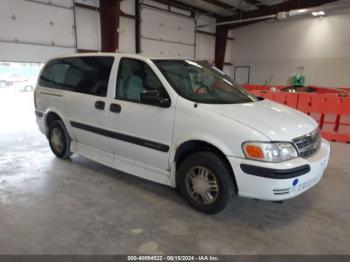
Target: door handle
[[115, 108], [100, 105]]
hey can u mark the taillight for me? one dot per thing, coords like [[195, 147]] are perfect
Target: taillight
[[34, 93]]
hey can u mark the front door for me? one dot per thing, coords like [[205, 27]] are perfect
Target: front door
[[142, 133]]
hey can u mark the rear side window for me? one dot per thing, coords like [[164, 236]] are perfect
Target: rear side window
[[87, 75]]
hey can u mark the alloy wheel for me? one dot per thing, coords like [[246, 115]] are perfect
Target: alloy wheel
[[57, 140], [202, 185]]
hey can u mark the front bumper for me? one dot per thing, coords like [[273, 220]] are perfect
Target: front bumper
[[290, 184]]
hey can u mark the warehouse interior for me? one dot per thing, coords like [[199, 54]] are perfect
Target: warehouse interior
[[49, 206]]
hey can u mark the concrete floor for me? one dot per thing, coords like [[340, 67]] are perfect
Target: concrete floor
[[51, 206]]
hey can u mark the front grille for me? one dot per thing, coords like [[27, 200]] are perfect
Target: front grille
[[309, 144]]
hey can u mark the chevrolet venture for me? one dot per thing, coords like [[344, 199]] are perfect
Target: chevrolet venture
[[182, 123]]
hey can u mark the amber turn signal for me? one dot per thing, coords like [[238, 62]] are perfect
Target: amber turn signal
[[254, 152]]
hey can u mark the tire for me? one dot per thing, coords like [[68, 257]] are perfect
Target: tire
[[206, 173], [59, 140]]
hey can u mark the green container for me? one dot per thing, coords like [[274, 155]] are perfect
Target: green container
[[298, 80]]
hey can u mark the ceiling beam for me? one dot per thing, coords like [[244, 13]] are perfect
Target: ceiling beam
[[219, 4], [271, 10], [181, 5], [255, 2]]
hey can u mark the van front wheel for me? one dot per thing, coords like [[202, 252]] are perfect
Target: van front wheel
[[205, 182], [59, 140]]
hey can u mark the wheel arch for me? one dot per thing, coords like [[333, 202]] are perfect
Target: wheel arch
[[51, 116], [193, 146]]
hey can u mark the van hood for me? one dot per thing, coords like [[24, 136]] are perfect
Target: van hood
[[276, 121]]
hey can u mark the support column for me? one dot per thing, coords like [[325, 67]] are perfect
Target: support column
[[137, 27], [109, 18], [220, 46]]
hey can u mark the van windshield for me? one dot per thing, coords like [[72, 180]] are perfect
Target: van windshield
[[202, 82]]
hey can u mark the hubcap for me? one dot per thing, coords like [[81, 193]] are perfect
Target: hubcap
[[202, 185], [57, 140]]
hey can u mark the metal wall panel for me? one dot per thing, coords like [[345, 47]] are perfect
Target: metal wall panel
[[128, 7], [93, 3], [228, 53], [29, 25], [228, 69], [156, 4], [205, 48], [166, 34], [156, 48], [127, 35], [15, 52], [88, 29], [62, 3], [206, 20]]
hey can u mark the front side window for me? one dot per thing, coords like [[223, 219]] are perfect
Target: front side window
[[201, 82], [134, 77], [87, 75]]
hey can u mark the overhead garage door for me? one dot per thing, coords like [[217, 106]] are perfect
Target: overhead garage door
[[166, 34], [34, 31]]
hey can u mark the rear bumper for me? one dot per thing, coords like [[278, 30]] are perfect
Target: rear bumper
[[40, 120], [279, 181]]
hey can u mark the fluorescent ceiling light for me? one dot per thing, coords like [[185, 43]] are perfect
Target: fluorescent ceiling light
[[300, 11], [319, 13], [297, 12]]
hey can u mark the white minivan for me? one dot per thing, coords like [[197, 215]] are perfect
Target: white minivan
[[182, 123]]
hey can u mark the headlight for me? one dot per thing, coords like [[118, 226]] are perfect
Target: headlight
[[270, 152]]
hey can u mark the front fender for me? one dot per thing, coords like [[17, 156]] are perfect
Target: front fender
[[198, 123]]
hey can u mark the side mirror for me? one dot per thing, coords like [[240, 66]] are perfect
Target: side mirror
[[154, 97]]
